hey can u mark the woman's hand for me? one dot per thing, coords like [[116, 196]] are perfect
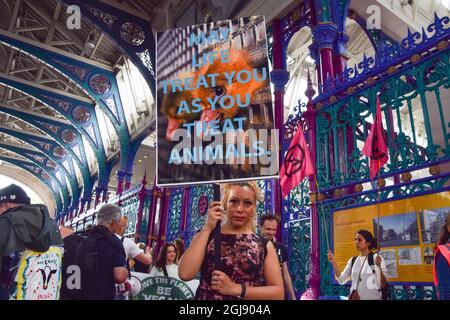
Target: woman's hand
[[378, 261], [223, 284], [215, 213], [131, 263], [330, 256]]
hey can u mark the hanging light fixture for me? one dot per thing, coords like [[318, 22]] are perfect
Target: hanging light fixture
[[90, 43]]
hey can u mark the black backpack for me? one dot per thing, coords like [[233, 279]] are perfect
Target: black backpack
[[80, 249], [385, 292]]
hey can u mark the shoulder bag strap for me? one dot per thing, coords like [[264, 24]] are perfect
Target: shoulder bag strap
[[360, 270]]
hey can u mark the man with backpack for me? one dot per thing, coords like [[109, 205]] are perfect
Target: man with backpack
[[94, 260], [30, 249]]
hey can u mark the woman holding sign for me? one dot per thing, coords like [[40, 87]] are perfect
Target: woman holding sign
[[248, 265]]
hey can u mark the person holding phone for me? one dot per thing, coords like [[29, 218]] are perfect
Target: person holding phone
[[248, 267]]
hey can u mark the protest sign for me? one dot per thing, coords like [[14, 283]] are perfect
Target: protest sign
[[215, 115]]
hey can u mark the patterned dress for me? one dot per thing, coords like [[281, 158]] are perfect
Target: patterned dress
[[242, 257]]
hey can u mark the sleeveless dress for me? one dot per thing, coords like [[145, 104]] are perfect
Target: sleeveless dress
[[242, 257]]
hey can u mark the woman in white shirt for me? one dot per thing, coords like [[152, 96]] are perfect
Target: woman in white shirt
[[370, 282], [166, 265]]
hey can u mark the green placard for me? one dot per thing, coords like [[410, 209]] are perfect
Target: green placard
[[162, 288]]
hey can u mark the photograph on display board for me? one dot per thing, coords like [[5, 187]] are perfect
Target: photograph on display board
[[428, 255], [215, 117], [390, 258], [430, 223], [409, 256], [397, 230]]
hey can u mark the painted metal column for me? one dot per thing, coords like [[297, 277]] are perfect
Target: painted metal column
[[98, 192], [141, 195], [324, 35], [128, 180], [313, 292], [151, 218], [185, 209], [314, 52], [163, 217], [105, 195], [340, 58], [82, 205], [121, 174], [279, 77]]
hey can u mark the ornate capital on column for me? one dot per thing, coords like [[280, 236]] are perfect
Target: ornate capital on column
[[341, 43], [314, 52], [279, 79], [325, 34], [121, 174]]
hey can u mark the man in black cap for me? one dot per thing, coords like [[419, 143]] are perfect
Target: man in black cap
[[30, 242]]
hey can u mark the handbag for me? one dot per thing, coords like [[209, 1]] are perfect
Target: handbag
[[354, 294]]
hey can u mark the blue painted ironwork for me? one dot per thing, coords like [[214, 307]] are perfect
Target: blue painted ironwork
[[173, 229], [299, 245], [299, 17], [62, 133], [46, 146], [427, 77], [42, 160], [195, 219], [131, 33], [381, 42], [415, 43], [99, 83], [129, 207], [42, 176]]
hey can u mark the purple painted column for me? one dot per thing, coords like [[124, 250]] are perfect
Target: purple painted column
[[313, 292], [105, 195], [82, 205], [185, 209], [141, 195], [163, 218], [156, 193], [279, 77], [324, 34], [97, 196], [128, 180], [120, 177], [340, 57]]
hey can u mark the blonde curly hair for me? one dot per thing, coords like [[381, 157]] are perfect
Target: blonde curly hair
[[226, 190]]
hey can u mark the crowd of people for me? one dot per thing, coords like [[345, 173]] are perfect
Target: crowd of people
[[225, 260]]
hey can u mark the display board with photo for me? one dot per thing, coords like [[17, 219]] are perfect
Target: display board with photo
[[407, 230]]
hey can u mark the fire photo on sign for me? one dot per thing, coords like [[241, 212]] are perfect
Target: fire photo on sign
[[215, 117]]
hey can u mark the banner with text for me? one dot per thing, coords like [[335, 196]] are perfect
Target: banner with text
[[215, 119]]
